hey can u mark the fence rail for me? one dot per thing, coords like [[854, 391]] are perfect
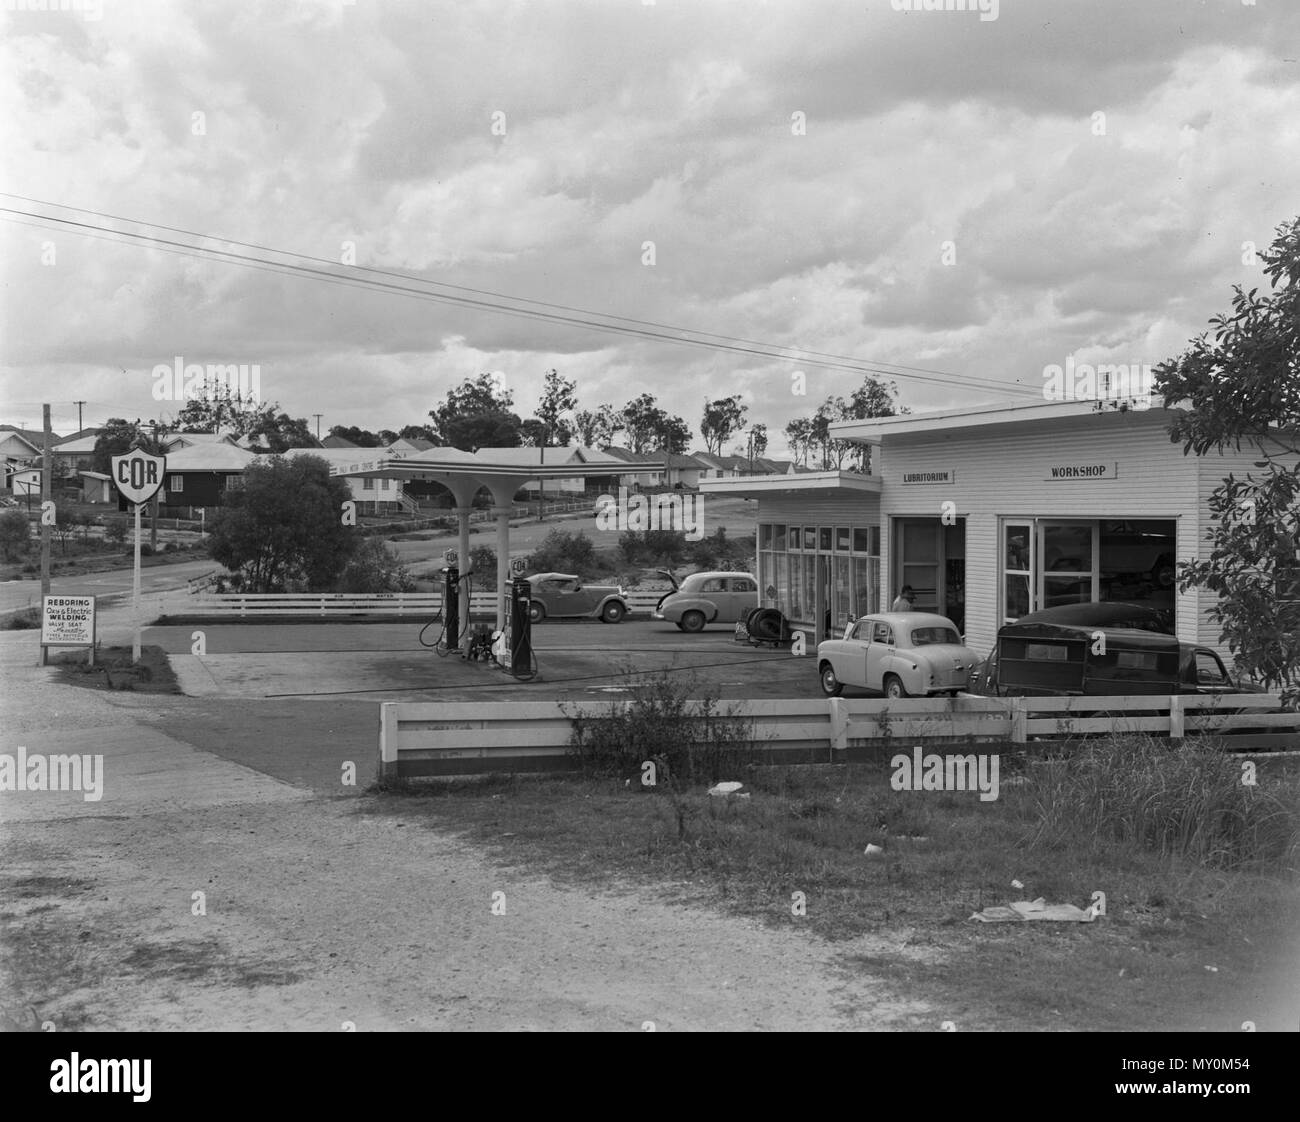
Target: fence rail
[[361, 604], [444, 739]]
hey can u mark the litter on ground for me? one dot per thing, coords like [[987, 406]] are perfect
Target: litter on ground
[[1025, 910]]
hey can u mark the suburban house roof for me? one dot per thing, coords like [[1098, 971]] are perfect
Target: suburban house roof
[[630, 457], [681, 460], [77, 445], [415, 443], [79, 435], [723, 463], [193, 439], [215, 456], [21, 434], [601, 456]]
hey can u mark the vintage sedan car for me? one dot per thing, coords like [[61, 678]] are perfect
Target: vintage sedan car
[[709, 597], [564, 596], [1099, 649], [899, 654]]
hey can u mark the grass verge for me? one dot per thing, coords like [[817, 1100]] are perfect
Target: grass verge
[[114, 670], [1192, 936]]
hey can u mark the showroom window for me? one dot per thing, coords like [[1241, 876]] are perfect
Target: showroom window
[[843, 559]]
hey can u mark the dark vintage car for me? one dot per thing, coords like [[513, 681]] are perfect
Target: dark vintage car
[[1099, 649], [564, 596]]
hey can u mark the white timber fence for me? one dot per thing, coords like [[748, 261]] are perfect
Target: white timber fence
[[246, 605], [465, 738]]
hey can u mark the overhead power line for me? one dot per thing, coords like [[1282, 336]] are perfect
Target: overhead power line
[[622, 325]]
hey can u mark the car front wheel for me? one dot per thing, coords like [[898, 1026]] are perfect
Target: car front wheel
[[894, 687], [536, 612], [831, 685], [613, 612], [1162, 576], [692, 621]]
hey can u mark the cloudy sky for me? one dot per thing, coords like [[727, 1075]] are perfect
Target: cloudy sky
[[961, 199]]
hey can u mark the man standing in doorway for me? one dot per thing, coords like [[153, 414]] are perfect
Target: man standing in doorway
[[904, 601]]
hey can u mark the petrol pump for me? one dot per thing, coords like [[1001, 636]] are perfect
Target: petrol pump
[[449, 640], [451, 607], [521, 629]]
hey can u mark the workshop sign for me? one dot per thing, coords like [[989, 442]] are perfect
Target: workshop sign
[[68, 621], [1083, 471]]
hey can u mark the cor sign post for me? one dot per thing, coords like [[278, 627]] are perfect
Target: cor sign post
[[138, 475]]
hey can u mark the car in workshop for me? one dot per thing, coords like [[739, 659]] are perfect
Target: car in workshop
[[566, 596], [714, 596], [899, 654]]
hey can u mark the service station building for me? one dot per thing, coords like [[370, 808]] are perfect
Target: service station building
[[991, 513]]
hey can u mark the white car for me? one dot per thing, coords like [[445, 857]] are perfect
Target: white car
[[899, 654], [717, 596]]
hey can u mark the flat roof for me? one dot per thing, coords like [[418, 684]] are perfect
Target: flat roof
[[809, 482], [873, 430]]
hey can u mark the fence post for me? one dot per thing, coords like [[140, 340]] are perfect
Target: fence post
[[387, 741], [1019, 734], [1176, 714], [839, 725]]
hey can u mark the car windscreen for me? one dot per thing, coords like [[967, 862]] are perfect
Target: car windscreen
[[929, 636]]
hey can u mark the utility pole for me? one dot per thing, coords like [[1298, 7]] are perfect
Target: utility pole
[[541, 485], [47, 469], [318, 416], [78, 404]]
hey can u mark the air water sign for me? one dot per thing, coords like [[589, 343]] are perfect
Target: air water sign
[[139, 475], [68, 621]]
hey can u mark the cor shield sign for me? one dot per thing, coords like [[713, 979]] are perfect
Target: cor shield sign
[[138, 475]]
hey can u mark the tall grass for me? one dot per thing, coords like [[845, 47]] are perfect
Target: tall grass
[[1188, 802]]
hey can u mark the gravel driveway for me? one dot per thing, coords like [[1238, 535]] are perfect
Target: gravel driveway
[[318, 915]]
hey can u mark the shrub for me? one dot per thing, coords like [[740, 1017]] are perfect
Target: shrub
[[146, 550], [1185, 802], [671, 719], [15, 532], [717, 551], [483, 564], [115, 529], [374, 568], [663, 547], [566, 552], [26, 620]]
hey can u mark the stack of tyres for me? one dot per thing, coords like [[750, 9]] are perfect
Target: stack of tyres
[[768, 625]]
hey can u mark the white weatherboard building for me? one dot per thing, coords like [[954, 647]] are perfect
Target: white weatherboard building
[[994, 512]]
